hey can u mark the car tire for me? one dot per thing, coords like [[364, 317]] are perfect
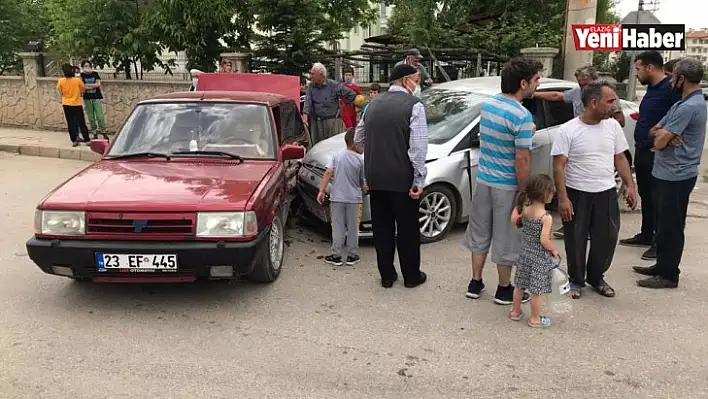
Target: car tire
[[269, 262], [438, 194]]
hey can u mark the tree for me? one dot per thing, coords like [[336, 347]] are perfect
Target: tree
[[21, 21], [293, 34], [108, 32], [199, 27], [620, 67]]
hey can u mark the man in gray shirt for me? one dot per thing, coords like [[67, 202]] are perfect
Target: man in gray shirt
[[322, 105], [678, 141], [413, 58]]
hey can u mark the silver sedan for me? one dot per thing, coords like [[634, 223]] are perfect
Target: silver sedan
[[453, 112]]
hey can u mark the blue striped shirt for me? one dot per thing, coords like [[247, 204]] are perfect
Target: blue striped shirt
[[505, 126]]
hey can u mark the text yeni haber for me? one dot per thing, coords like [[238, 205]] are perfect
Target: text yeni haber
[[628, 37]]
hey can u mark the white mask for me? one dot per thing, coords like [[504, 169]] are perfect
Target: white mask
[[416, 92]]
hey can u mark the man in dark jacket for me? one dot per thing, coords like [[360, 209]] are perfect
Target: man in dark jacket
[[394, 133]]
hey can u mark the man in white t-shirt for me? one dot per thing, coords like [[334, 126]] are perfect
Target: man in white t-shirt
[[586, 152]]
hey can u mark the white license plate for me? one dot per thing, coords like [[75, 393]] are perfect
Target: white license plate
[[135, 262]]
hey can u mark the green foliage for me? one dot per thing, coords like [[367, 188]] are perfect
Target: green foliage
[[620, 67], [108, 32], [293, 34], [198, 28], [522, 23], [21, 21]]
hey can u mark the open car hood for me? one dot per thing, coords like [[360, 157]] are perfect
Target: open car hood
[[284, 85]]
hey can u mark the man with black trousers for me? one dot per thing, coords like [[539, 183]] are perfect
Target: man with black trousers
[[678, 141], [655, 104], [586, 153], [394, 133]]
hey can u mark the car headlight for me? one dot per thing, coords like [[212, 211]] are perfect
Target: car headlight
[[227, 224], [60, 223]]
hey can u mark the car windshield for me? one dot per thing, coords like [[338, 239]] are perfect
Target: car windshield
[[449, 111], [237, 129]]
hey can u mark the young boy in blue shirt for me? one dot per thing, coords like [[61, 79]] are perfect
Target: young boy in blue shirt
[[346, 170]]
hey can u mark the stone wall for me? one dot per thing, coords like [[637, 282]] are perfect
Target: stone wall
[[33, 102]]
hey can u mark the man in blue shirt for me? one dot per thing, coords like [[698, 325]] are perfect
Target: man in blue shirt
[[655, 104], [678, 141]]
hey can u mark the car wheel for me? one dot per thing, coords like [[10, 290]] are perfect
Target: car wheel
[[438, 212], [270, 261]]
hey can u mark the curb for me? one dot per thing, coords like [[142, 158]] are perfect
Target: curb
[[77, 154]]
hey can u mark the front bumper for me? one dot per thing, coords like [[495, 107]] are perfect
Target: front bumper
[[308, 194], [194, 258]]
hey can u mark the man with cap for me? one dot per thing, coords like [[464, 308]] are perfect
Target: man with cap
[[413, 58], [394, 133]]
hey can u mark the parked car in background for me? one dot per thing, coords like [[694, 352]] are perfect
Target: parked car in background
[[195, 184], [453, 112]]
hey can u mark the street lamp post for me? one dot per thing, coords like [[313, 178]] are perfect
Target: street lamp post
[[632, 82]]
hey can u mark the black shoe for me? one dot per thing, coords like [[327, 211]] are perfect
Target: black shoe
[[645, 270], [333, 260], [389, 283], [559, 234], [636, 241], [657, 282], [95, 136], [75, 144], [353, 259], [649, 254], [421, 280], [474, 289], [505, 295]]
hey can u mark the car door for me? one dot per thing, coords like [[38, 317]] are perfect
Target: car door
[[549, 115]]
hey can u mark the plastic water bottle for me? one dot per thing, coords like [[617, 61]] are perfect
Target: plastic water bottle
[[193, 147], [559, 302]]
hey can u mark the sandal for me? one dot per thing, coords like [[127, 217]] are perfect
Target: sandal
[[516, 318], [576, 293], [605, 290], [545, 323]]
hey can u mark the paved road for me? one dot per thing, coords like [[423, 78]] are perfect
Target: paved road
[[324, 333]]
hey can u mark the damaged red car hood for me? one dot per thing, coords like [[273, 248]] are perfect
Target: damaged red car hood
[[158, 186]]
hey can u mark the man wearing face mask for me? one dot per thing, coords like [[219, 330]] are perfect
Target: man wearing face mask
[[678, 143], [92, 100], [394, 133], [195, 78], [348, 110], [413, 58]]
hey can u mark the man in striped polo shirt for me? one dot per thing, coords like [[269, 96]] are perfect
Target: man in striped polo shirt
[[506, 131]]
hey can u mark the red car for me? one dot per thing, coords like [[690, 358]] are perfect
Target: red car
[[195, 184]]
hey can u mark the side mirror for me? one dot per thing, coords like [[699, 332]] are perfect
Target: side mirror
[[291, 151], [99, 146]]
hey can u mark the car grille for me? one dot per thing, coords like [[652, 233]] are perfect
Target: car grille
[[140, 224]]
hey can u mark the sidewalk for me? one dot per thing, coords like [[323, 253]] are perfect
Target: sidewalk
[[44, 144]]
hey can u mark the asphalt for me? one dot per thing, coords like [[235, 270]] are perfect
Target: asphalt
[[324, 332]]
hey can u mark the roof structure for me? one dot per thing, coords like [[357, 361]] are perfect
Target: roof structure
[[236, 96], [641, 17], [697, 34]]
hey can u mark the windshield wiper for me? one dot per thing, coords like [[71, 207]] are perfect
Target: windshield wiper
[[141, 155], [209, 153]]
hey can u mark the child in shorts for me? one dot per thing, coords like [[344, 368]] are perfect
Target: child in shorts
[[346, 170]]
